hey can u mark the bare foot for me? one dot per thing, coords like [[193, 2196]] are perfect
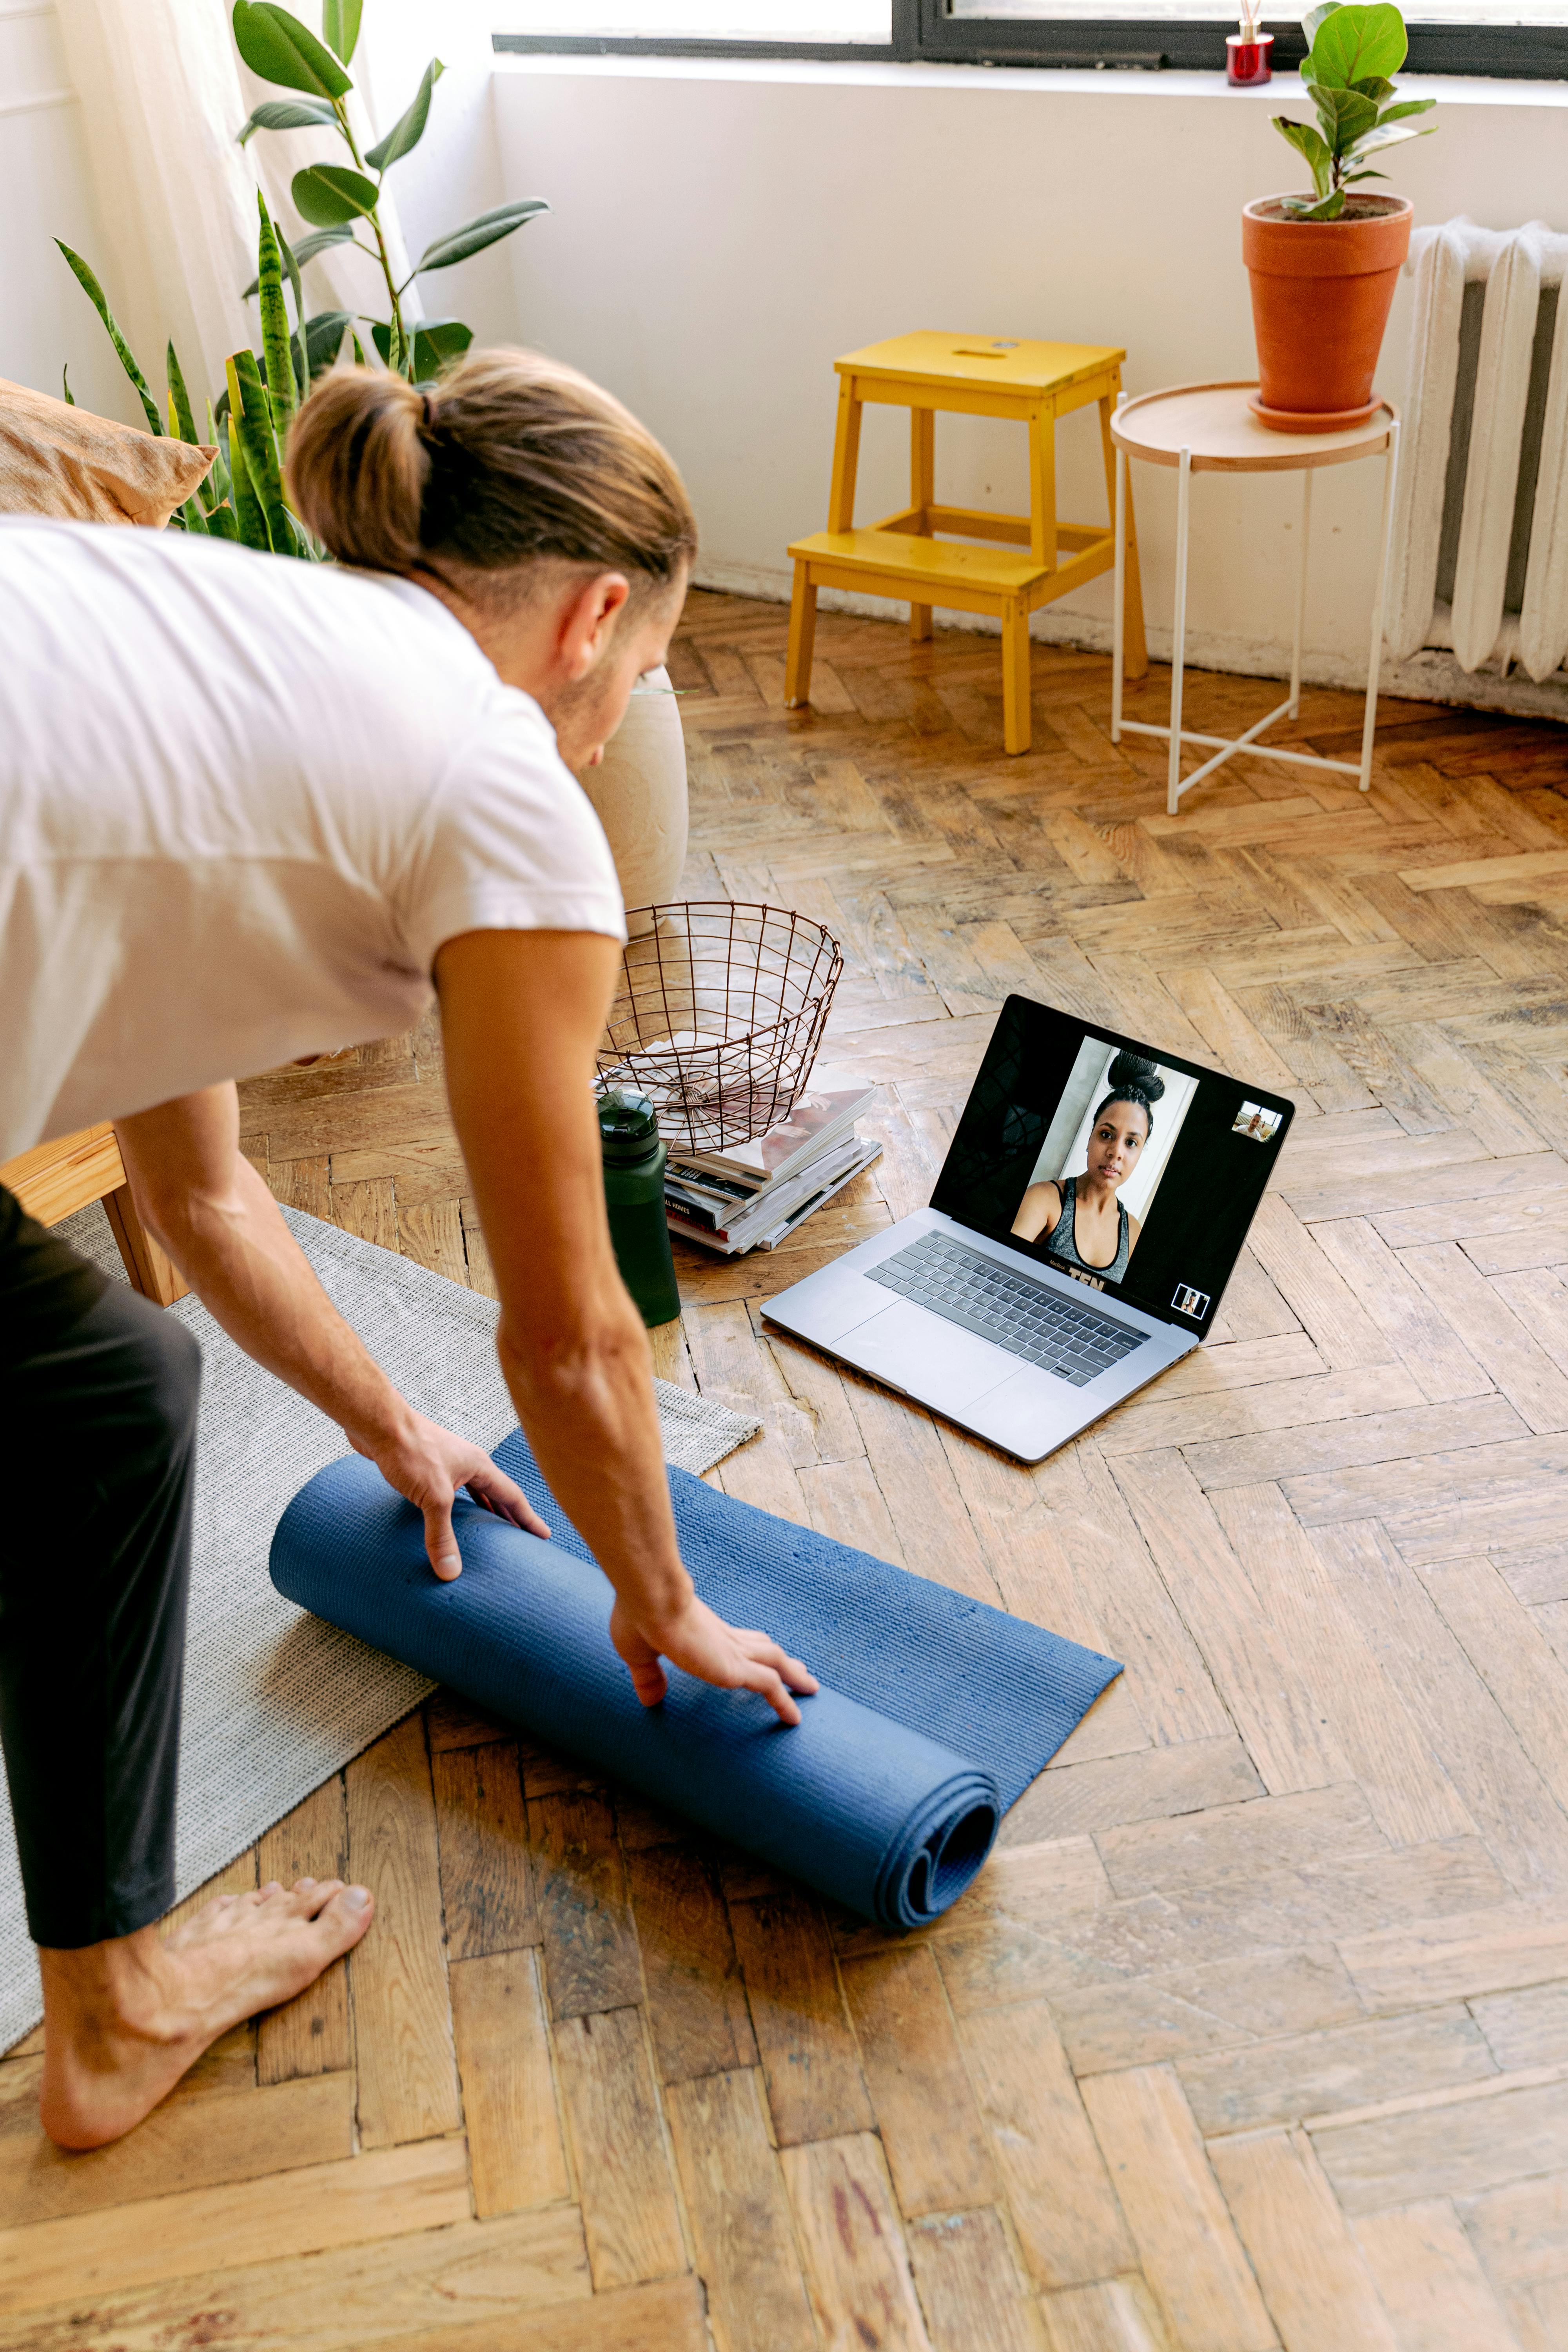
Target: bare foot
[[123, 2021]]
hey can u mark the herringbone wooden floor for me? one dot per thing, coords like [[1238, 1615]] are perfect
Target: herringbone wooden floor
[[1255, 2030]]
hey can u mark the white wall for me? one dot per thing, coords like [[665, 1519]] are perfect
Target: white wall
[[721, 233], [46, 191]]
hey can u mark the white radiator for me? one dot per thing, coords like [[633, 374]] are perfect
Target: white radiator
[[1481, 528]]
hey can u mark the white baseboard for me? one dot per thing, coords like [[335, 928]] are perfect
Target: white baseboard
[[1431, 676]]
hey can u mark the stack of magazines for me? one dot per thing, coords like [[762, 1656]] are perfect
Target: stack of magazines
[[751, 1196]]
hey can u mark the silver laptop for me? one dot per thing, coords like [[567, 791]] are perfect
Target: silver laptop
[[1090, 1213]]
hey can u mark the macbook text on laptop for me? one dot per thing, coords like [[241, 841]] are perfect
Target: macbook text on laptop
[[1088, 1217]]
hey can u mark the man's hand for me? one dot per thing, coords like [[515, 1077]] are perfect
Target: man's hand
[[702, 1644], [426, 1465]]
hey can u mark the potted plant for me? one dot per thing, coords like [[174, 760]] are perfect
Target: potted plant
[[1323, 266]]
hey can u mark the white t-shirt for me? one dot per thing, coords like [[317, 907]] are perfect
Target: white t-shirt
[[243, 801]]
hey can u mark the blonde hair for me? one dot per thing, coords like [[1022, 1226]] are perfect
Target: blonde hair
[[510, 460]]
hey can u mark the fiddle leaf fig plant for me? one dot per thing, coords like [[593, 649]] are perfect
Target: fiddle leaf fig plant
[[1348, 70], [337, 198]]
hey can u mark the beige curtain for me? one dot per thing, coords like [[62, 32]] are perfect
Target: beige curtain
[[164, 97]]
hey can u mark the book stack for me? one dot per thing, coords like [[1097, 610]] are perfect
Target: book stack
[[750, 1196]]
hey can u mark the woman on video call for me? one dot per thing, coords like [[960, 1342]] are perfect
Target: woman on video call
[[1078, 1223]]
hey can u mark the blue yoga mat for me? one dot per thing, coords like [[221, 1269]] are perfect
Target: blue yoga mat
[[934, 1715]]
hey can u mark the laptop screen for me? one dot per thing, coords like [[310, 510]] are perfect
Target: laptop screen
[[1115, 1162]]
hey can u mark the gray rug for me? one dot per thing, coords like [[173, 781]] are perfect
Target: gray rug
[[275, 1702]]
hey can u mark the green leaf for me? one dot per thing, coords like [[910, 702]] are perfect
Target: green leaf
[[274, 325], [217, 481], [195, 519], [1377, 87], [69, 396], [1343, 114], [1356, 42], [221, 523], [1329, 208], [1411, 106], [359, 352], [1314, 17], [250, 434], [1351, 177], [340, 26], [184, 423], [1394, 136], [1309, 143], [275, 46], [290, 114], [458, 244], [323, 337], [95, 294], [436, 342], [305, 249], [250, 523], [409, 129], [331, 194], [290, 264], [381, 336]]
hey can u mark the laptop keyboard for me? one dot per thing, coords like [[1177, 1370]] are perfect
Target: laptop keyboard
[[980, 1293]]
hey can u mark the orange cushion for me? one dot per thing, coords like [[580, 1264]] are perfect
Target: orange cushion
[[63, 461]]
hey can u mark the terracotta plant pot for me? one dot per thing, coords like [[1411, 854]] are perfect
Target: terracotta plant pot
[[639, 791], [1321, 298]]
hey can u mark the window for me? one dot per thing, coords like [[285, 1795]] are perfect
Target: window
[[1524, 39]]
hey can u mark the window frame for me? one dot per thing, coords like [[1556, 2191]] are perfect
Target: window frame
[[923, 33]]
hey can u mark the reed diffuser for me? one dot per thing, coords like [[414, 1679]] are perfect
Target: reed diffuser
[[1249, 53]]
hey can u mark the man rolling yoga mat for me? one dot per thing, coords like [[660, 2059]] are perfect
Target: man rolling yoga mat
[[934, 1712]]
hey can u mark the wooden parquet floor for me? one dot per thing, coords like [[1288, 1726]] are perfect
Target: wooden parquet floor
[[1254, 2032]]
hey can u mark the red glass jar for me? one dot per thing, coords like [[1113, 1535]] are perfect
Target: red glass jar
[[1246, 61]]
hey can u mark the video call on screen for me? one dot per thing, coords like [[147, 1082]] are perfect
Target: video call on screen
[[1162, 1178]]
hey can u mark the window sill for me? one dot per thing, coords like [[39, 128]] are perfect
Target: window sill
[[877, 73]]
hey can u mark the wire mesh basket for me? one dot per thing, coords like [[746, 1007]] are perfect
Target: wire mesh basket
[[717, 1017]]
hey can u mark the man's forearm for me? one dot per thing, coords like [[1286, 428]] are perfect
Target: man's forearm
[[239, 1257], [586, 1405]]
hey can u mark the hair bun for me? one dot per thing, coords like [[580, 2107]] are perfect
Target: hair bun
[[1138, 1080]]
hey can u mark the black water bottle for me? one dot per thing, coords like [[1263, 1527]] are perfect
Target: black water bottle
[[634, 1194]]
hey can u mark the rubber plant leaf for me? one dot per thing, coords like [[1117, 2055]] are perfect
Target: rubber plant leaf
[[323, 337], [381, 336], [1356, 42], [305, 249], [409, 129], [436, 342], [1394, 136], [250, 523], [95, 294], [331, 194], [1309, 143], [1312, 19], [290, 114], [250, 431], [275, 46], [274, 325], [340, 24], [1330, 208], [489, 228], [1344, 116]]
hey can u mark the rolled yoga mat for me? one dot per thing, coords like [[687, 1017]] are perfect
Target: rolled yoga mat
[[934, 1715]]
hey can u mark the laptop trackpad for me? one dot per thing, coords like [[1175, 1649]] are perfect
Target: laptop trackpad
[[936, 1361]]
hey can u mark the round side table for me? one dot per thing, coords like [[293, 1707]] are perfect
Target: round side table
[[1210, 428]]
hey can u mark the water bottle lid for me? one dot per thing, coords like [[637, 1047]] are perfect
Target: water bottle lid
[[628, 1124]]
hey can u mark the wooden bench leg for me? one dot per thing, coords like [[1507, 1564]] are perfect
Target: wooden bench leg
[[1015, 723], [151, 1272], [802, 639], [922, 491], [1137, 651]]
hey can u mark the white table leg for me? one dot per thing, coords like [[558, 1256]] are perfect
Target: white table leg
[[1179, 630], [1119, 591], [1374, 663], [1295, 706]]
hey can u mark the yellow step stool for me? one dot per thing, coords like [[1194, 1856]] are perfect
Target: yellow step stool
[[913, 554]]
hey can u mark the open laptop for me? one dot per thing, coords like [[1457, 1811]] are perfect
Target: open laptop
[[1078, 1153]]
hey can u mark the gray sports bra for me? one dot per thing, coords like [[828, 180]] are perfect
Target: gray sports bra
[[1062, 1240]]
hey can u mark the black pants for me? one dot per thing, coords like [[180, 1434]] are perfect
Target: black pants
[[97, 1406]]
